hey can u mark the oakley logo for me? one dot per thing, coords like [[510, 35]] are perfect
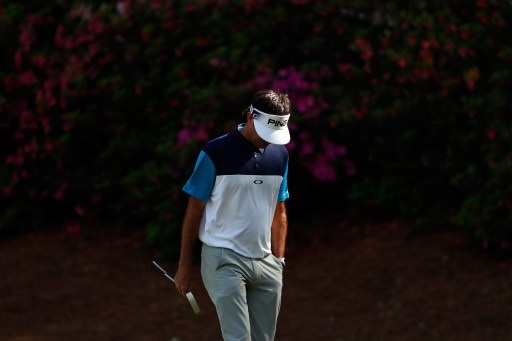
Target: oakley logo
[[258, 182], [277, 123]]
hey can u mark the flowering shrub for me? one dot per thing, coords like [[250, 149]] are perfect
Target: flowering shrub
[[435, 90], [105, 106]]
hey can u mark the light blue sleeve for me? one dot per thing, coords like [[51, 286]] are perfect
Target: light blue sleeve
[[200, 184], [283, 190]]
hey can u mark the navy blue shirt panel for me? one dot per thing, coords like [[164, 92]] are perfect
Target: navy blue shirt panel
[[233, 154]]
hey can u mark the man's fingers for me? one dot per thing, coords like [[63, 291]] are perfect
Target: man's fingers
[[182, 289], [182, 280]]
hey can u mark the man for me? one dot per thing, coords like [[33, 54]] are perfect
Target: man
[[236, 206]]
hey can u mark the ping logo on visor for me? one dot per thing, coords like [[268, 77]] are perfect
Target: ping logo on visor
[[271, 128], [272, 121]]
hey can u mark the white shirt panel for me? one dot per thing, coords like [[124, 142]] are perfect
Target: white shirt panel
[[239, 213]]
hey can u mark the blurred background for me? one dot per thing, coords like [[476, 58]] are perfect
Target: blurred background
[[401, 112], [106, 105]]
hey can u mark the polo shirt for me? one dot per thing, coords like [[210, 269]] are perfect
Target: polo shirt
[[241, 186]]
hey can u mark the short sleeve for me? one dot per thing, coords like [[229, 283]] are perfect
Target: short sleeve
[[200, 184], [283, 190]]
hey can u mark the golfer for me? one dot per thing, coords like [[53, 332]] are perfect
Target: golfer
[[236, 207]]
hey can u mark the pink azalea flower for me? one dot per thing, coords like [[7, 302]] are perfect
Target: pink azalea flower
[[72, 228], [324, 171], [18, 58], [183, 137], [48, 145], [26, 40], [38, 61], [491, 134], [306, 149], [59, 193], [79, 210], [197, 132], [402, 62], [27, 78]]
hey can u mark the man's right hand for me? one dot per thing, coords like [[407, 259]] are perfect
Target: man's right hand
[[183, 279]]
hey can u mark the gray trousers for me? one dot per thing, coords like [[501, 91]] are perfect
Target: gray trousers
[[246, 292]]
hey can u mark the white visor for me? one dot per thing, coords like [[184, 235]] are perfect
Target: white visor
[[271, 128]]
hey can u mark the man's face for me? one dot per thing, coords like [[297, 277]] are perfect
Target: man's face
[[261, 143], [257, 140]]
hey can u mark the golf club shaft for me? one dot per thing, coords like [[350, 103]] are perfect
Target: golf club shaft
[[162, 271], [189, 295]]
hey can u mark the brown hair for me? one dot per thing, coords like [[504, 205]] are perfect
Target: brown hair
[[271, 102]]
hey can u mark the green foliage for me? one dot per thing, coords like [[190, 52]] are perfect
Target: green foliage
[[439, 90], [105, 106]]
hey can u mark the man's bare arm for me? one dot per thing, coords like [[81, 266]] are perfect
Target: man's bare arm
[[279, 230], [189, 232]]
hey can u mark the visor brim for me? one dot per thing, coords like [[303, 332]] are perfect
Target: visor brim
[[274, 136]]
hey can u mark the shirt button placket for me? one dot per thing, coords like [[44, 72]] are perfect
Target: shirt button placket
[[257, 157]]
